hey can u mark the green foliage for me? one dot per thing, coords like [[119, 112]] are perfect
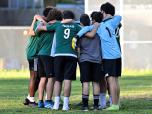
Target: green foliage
[[135, 86]]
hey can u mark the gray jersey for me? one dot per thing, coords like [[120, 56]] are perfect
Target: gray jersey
[[90, 50]]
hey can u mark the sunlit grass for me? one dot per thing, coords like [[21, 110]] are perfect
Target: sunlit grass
[[136, 94], [14, 74]]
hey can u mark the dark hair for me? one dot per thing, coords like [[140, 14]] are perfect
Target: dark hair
[[97, 16], [108, 8], [54, 14], [46, 10], [85, 20], [59, 15], [67, 14]]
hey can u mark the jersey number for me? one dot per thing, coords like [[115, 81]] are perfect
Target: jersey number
[[66, 33]]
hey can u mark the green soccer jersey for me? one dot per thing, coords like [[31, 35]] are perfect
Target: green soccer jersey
[[33, 45], [64, 34], [46, 39]]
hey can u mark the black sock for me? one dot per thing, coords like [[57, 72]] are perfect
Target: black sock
[[96, 100], [85, 100]]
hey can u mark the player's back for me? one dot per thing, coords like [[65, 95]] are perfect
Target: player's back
[[64, 34]]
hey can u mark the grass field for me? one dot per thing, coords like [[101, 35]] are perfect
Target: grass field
[[136, 94]]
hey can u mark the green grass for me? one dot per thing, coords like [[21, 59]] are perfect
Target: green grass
[[136, 94]]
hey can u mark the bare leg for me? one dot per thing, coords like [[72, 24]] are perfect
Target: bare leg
[[41, 88], [96, 88], [103, 86], [49, 88], [103, 89], [114, 89], [67, 88], [85, 88], [57, 88], [57, 92], [32, 84]]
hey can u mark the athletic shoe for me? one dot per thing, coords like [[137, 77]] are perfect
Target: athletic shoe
[[65, 108], [85, 108], [102, 107], [95, 108], [56, 106], [33, 104], [113, 108], [40, 104], [26, 101], [48, 104], [29, 103]]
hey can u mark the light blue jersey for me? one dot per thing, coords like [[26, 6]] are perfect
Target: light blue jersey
[[109, 44]]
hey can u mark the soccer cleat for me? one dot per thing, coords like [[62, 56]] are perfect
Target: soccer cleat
[[95, 108], [29, 103], [26, 101], [56, 106], [85, 108], [113, 108], [65, 108], [33, 104], [48, 104], [40, 104], [102, 107]]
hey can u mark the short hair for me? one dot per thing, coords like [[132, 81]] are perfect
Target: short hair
[[67, 14], [97, 16], [108, 8], [54, 14], [46, 10], [85, 20]]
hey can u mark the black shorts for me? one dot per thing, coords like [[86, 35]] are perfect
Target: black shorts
[[91, 72], [45, 66], [112, 67], [33, 64], [65, 68]]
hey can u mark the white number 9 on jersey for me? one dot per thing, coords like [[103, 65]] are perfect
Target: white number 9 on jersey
[[66, 33]]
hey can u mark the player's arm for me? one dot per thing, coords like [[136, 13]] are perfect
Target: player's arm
[[84, 30], [31, 30], [47, 27], [93, 32], [115, 21], [39, 18]]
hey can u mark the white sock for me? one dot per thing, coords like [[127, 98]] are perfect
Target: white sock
[[30, 98], [66, 103], [103, 100], [110, 99], [56, 102]]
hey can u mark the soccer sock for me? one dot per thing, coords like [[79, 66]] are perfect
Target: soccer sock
[[31, 99], [56, 102], [85, 100], [96, 100], [66, 102], [110, 100], [103, 99]]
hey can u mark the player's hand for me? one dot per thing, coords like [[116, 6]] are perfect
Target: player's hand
[[96, 24], [74, 43]]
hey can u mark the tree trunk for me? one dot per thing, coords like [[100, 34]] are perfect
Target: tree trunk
[[49, 3]]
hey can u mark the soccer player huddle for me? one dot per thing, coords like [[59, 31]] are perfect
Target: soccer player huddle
[[57, 43]]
